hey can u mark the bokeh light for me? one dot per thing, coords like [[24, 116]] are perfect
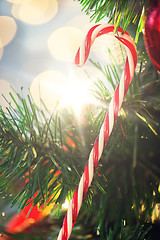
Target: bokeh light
[[74, 90], [52, 46], [35, 11], [47, 88], [79, 92], [8, 30], [64, 42]]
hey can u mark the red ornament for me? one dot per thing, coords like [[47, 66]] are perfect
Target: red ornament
[[152, 32]]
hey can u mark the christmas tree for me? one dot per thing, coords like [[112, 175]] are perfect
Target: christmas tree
[[43, 155]]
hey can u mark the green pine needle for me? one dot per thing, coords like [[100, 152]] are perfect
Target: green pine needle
[[36, 167], [120, 13]]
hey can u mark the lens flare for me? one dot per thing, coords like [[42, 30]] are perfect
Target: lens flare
[[77, 96]]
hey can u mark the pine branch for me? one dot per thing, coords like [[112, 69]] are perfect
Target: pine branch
[[120, 13], [30, 151], [45, 155]]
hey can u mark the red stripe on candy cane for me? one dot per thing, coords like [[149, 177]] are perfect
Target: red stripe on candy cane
[[110, 118], [74, 205]]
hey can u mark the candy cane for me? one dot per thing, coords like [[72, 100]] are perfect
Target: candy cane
[[110, 118]]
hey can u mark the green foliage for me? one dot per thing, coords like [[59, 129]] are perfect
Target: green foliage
[[120, 13], [29, 150], [35, 145]]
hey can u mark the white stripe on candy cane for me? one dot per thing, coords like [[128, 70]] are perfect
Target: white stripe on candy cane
[[80, 193], [91, 167], [114, 106]]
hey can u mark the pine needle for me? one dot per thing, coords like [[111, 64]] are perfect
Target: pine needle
[[145, 120]]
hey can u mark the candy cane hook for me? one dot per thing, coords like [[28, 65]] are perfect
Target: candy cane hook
[[110, 118]]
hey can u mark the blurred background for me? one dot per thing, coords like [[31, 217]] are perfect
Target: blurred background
[[38, 43]]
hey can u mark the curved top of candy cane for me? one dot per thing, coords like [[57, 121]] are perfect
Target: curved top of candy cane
[[110, 118], [101, 29]]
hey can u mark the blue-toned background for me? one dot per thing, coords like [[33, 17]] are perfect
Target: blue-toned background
[[38, 43]]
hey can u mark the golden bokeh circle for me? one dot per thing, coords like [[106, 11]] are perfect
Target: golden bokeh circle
[[8, 28], [35, 11], [64, 42], [48, 87]]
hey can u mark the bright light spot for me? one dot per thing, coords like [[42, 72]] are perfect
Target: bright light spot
[[48, 86], [98, 232], [64, 43], [4, 91], [35, 11], [3, 214], [76, 95], [31, 220], [71, 92], [143, 207], [156, 213], [48, 209], [54, 89], [8, 30], [65, 205]]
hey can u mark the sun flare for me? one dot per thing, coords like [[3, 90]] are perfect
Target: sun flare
[[76, 95], [56, 90]]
